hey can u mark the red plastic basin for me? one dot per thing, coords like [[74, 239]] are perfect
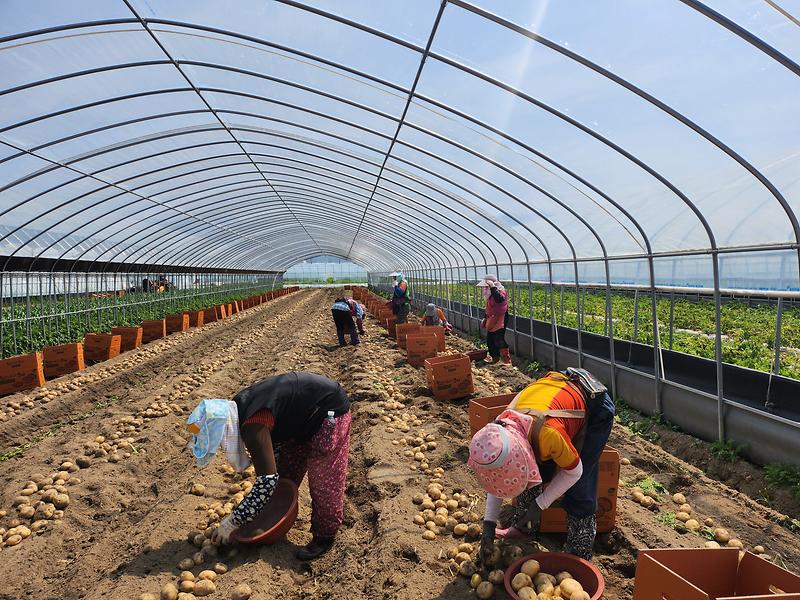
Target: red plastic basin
[[581, 570], [275, 519]]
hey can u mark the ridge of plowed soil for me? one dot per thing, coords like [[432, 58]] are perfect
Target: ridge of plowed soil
[[130, 511]]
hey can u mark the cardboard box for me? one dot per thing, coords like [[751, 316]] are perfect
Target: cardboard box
[[62, 360], [20, 373], [153, 330], [98, 347], [449, 376], [420, 346], [711, 574]]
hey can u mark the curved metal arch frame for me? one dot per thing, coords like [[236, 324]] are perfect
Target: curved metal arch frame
[[698, 6]]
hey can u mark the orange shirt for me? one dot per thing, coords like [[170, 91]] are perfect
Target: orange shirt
[[557, 433]]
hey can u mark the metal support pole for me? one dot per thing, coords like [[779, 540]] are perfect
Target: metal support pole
[[671, 318], [636, 316], [776, 365], [718, 349]]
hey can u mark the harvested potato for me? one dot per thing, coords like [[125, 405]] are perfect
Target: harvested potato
[[460, 530], [563, 575], [722, 535], [187, 576], [198, 558], [418, 519], [418, 498], [204, 587], [543, 578], [497, 576], [625, 461], [187, 586], [546, 588], [452, 551], [495, 557], [169, 592], [569, 586], [679, 499], [461, 557], [208, 574], [511, 554], [520, 581], [759, 549], [148, 596], [734, 543], [485, 590], [692, 525], [580, 595], [708, 522], [711, 545], [475, 581], [467, 568], [450, 524], [428, 535], [528, 593], [531, 568], [185, 564], [198, 489], [686, 508], [638, 497], [474, 531], [13, 540], [682, 516], [469, 548]]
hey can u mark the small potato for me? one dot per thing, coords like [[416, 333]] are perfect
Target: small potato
[[543, 578], [686, 508], [13, 540], [452, 505], [485, 590], [711, 545], [570, 586], [204, 587], [428, 535], [495, 557], [734, 543], [220, 568], [497, 576], [241, 592], [638, 497], [198, 489], [520, 581], [419, 520], [428, 514], [198, 558], [435, 493], [469, 548], [531, 568], [722, 535], [563, 575], [580, 595], [148, 596], [461, 557], [187, 586], [692, 525], [759, 549], [475, 581], [169, 592], [460, 530], [207, 574], [452, 551], [528, 593], [682, 516], [450, 524], [440, 520], [474, 531], [708, 522], [512, 554], [185, 564], [417, 498], [679, 499], [187, 576], [467, 568]]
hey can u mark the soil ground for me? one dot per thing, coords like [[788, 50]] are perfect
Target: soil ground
[[129, 513]]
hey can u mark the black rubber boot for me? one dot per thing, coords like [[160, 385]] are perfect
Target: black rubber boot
[[315, 548], [580, 536]]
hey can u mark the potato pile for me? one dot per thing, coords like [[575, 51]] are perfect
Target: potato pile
[[238, 486], [42, 501], [495, 385], [440, 513], [533, 584], [188, 586]]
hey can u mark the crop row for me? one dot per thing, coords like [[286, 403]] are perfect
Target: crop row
[[748, 331]]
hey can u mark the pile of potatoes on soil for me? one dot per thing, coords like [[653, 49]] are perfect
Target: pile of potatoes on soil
[[685, 522]]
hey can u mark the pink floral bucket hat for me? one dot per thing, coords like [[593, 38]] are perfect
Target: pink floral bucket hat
[[502, 458]]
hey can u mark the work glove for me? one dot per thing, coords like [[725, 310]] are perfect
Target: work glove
[[222, 534], [528, 515], [487, 542]]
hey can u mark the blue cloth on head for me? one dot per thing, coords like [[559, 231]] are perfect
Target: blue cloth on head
[[210, 418]]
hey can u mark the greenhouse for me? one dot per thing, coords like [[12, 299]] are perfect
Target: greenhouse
[[620, 180]]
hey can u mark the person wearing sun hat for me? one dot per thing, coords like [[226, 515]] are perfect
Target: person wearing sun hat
[[553, 431], [496, 318], [401, 300], [290, 425]]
